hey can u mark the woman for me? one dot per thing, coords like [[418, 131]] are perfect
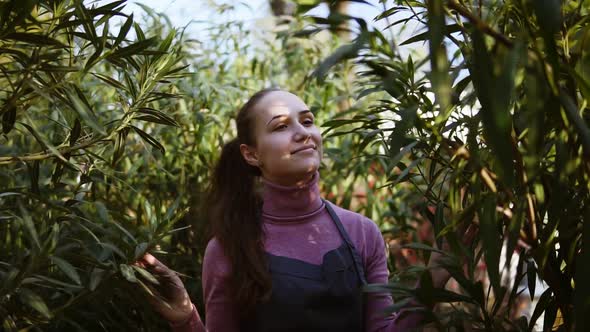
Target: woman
[[281, 258]]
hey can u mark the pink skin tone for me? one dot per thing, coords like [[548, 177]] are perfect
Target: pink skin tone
[[288, 144]]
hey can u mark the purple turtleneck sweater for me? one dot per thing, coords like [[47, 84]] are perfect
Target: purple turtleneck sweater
[[298, 226]]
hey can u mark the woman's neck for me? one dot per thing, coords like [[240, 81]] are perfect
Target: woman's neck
[[291, 201]]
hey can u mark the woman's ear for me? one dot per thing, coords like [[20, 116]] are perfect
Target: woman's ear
[[250, 155]]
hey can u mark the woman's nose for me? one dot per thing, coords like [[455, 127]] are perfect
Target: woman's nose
[[302, 133]]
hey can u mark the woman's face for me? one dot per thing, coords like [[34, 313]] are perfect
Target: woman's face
[[288, 144]]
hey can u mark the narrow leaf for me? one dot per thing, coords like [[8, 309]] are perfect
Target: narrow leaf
[[146, 275], [128, 273], [8, 119], [29, 225], [85, 113], [35, 301], [35, 39], [491, 241], [124, 30], [149, 139], [67, 268]]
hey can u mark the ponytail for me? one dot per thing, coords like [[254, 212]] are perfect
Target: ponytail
[[235, 216]]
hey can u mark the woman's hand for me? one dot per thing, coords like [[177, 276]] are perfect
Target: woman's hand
[[169, 298]]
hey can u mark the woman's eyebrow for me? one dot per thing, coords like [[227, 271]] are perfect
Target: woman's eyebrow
[[302, 112], [276, 117]]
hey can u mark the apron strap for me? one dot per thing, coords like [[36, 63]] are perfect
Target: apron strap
[[353, 252]]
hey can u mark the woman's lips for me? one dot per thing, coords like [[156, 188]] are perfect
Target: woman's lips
[[304, 148]]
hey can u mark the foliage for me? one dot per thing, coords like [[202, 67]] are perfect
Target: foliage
[[81, 106], [491, 128], [111, 125]]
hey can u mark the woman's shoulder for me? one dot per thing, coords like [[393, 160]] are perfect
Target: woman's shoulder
[[364, 234], [356, 223]]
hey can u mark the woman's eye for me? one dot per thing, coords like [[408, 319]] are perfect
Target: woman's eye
[[281, 127], [308, 122]]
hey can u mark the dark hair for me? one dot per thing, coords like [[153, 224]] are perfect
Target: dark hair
[[235, 214]]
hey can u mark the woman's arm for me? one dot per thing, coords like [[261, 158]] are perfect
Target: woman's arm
[[171, 300], [220, 311], [192, 324]]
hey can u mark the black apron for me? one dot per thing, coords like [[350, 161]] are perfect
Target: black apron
[[309, 297]]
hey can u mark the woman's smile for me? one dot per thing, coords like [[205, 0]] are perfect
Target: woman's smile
[[306, 148]]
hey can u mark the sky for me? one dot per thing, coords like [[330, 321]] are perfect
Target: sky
[[256, 14]]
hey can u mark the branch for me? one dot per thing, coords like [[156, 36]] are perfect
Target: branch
[[47, 155], [478, 23]]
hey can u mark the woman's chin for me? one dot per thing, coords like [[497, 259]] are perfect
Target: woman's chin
[[303, 174]]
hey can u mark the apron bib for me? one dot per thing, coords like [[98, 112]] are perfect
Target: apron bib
[[309, 297]]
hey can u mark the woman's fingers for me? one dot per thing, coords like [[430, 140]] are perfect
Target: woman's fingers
[[154, 266], [150, 261]]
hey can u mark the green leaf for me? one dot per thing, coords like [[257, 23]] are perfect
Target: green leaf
[[96, 276], [35, 39], [439, 76], [57, 69], [344, 52], [421, 246], [439, 223], [67, 268], [141, 249], [29, 225], [146, 275], [544, 301], [133, 49], [404, 175], [398, 305], [124, 231], [111, 81], [448, 29], [513, 233], [574, 116], [119, 148], [124, 30], [402, 153], [492, 244], [102, 211], [495, 114], [85, 113], [128, 273], [153, 115], [138, 31], [87, 23], [165, 45], [34, 301], [149, 139], [76, 130], [113, 248], [8, 119], [34, 176], [45, 144]]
